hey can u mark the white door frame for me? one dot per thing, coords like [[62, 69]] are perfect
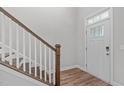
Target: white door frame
[[111, 40]]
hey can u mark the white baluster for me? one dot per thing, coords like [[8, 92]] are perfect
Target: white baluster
[[53, 69], [29, 53], [17, 47], [10, 41], [3, 37], [49, 65], [24, 68], [45, 63], [35, 42], [40, 60]]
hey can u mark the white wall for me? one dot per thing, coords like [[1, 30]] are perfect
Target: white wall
[[55, 25]]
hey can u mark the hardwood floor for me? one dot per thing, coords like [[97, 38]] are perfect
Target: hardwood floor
[[76, 77]]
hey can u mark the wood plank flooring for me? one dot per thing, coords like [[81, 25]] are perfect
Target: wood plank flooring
[[76, 77]]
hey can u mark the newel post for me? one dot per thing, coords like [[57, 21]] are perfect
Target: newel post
[[57, 74]]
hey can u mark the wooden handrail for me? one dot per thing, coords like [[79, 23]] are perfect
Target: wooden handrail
[[56, 49], [25, 27], [57, 58]]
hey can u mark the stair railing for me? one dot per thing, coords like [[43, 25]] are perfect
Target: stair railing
[[37, 59]]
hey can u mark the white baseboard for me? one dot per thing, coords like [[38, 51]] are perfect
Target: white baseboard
[[71, 67], [82, 68], [114, 83]]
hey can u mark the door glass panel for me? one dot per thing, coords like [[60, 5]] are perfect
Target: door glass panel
[[97, 32]]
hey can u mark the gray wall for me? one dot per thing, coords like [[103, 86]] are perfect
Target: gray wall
[[119, 45]]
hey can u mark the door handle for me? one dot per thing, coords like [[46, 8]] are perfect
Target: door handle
[[107, 50]]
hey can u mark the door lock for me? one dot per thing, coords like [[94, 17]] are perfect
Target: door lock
[[107, 50]]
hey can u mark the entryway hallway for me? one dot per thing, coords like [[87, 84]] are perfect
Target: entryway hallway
[[77, 77]]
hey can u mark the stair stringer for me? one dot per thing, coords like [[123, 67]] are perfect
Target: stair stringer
[[22, 76]]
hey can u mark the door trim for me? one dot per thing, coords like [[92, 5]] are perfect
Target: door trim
[[111, 40]]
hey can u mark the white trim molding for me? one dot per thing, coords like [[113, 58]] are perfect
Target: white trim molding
[[74, 66]]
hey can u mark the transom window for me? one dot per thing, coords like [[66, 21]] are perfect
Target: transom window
[[102, 16]]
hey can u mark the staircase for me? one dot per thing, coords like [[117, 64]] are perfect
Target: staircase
[[24, 51]]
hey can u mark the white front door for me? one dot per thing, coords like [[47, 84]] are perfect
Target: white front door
[[98, 49]]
